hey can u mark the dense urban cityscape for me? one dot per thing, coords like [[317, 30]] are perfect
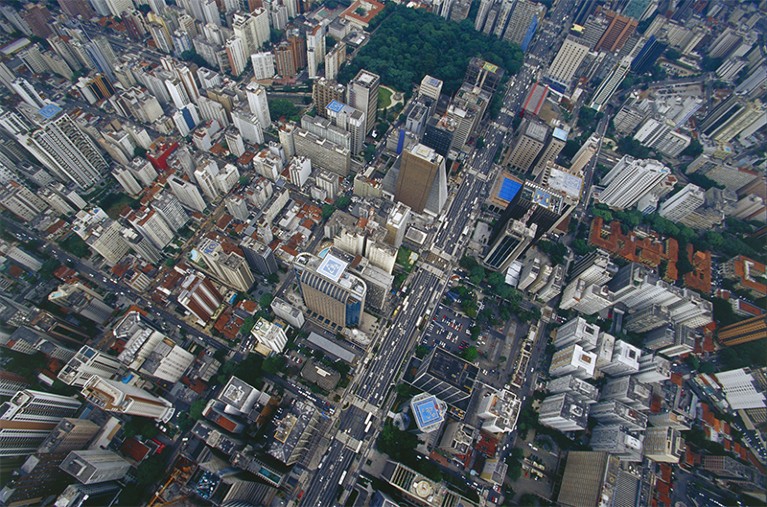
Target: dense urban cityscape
[[350, 253]]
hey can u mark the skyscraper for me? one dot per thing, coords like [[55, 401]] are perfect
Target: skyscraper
[[422, 182], [112, 396], [258, 104], [527, 146], [683, 203], [94, 466], [508, 244], [648, 55], [329, 290], [744, 331], [610, 84], [29, 417], [619, 29], [630, 180], [567, 61], [86, 363], [523, 22], [362, 94], [61, 146]]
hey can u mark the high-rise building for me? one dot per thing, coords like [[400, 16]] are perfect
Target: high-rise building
[[170, 209], [446, 376], [362, 94], [61, 146], [523, 22], [228, 265], [619, 29], [329, 290], [86, 363], [269, 337], [630, 180], [567, 61], [663, 444], [117, 397], [396, 225], [315, 48], [430, 87], [589, 479], [94, 466], [564, 412], [263, 65], [334, 60], [422, 180], [485, 75], [743, 388], [573, 360], [577, 331], [648, 55], [284, 60], [187, 193], [28, 94], [617, 412], [508, 244], [618, 440], [258, 103], [69, 435], [29, 417], [351, 120], [529, 143], [683, 203], [325, 91], [578, 388], [610, 84], [624, 360], [499, 411]]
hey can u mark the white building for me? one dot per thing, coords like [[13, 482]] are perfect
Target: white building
[[573, 360], [258, 104], [630, 180], [741, 388], [269, 337], [86, 363], [263, 65], [683, 203], [499, 411], [117, 397], [624, 361], [567, 61], [577, 331]]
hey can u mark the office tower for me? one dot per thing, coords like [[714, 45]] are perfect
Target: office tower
[[86, 363], [258, 103], [577, 331], [617, 412], [351, 120], [75, 8], [329, 290], [743, 388], [152, 226], [238, 58], [628, 390], [117, 397], [563, 412], [28, 94], [483, 74], [567, 61], [555, 141], [102, 234], [284, 60], [446, 376], [529, 143], [681, 204], [648, 55], [29, 417], [508, 244], [362, 94], [187, 193], [734, 116], [430, 87], [484, 9], [259, 256], [578, 388], [617, 440], [630, 180], [69, 435], [585, 153], [589, 479], [498, 411], [334, 60], [325, 91], [619, 29], [288, 313], [422, 181], [594, 267], [428, 411], [663, 444], [170, 209], [624, 361], [61, 146], [573, 360], [98, 465], [610, 84], [523, 23], [396, 224], [438, 134]]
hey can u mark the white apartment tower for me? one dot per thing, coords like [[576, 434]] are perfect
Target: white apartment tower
[[122, 398], [258, 103], [683, 203], [86, 363], [630, 180]]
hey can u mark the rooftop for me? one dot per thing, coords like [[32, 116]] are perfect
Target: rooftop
[[429, 411]]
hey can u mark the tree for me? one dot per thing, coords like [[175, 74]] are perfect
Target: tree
[[397, 444], [274, 364], [273, 278], [693, 150], [470, 354], [265, 301], [283, 108], [327, 211], [587, 118], [343, 202], [151, 470], [421, 351], [196, 408], [581, 247], [474, 332], [477, 274]]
